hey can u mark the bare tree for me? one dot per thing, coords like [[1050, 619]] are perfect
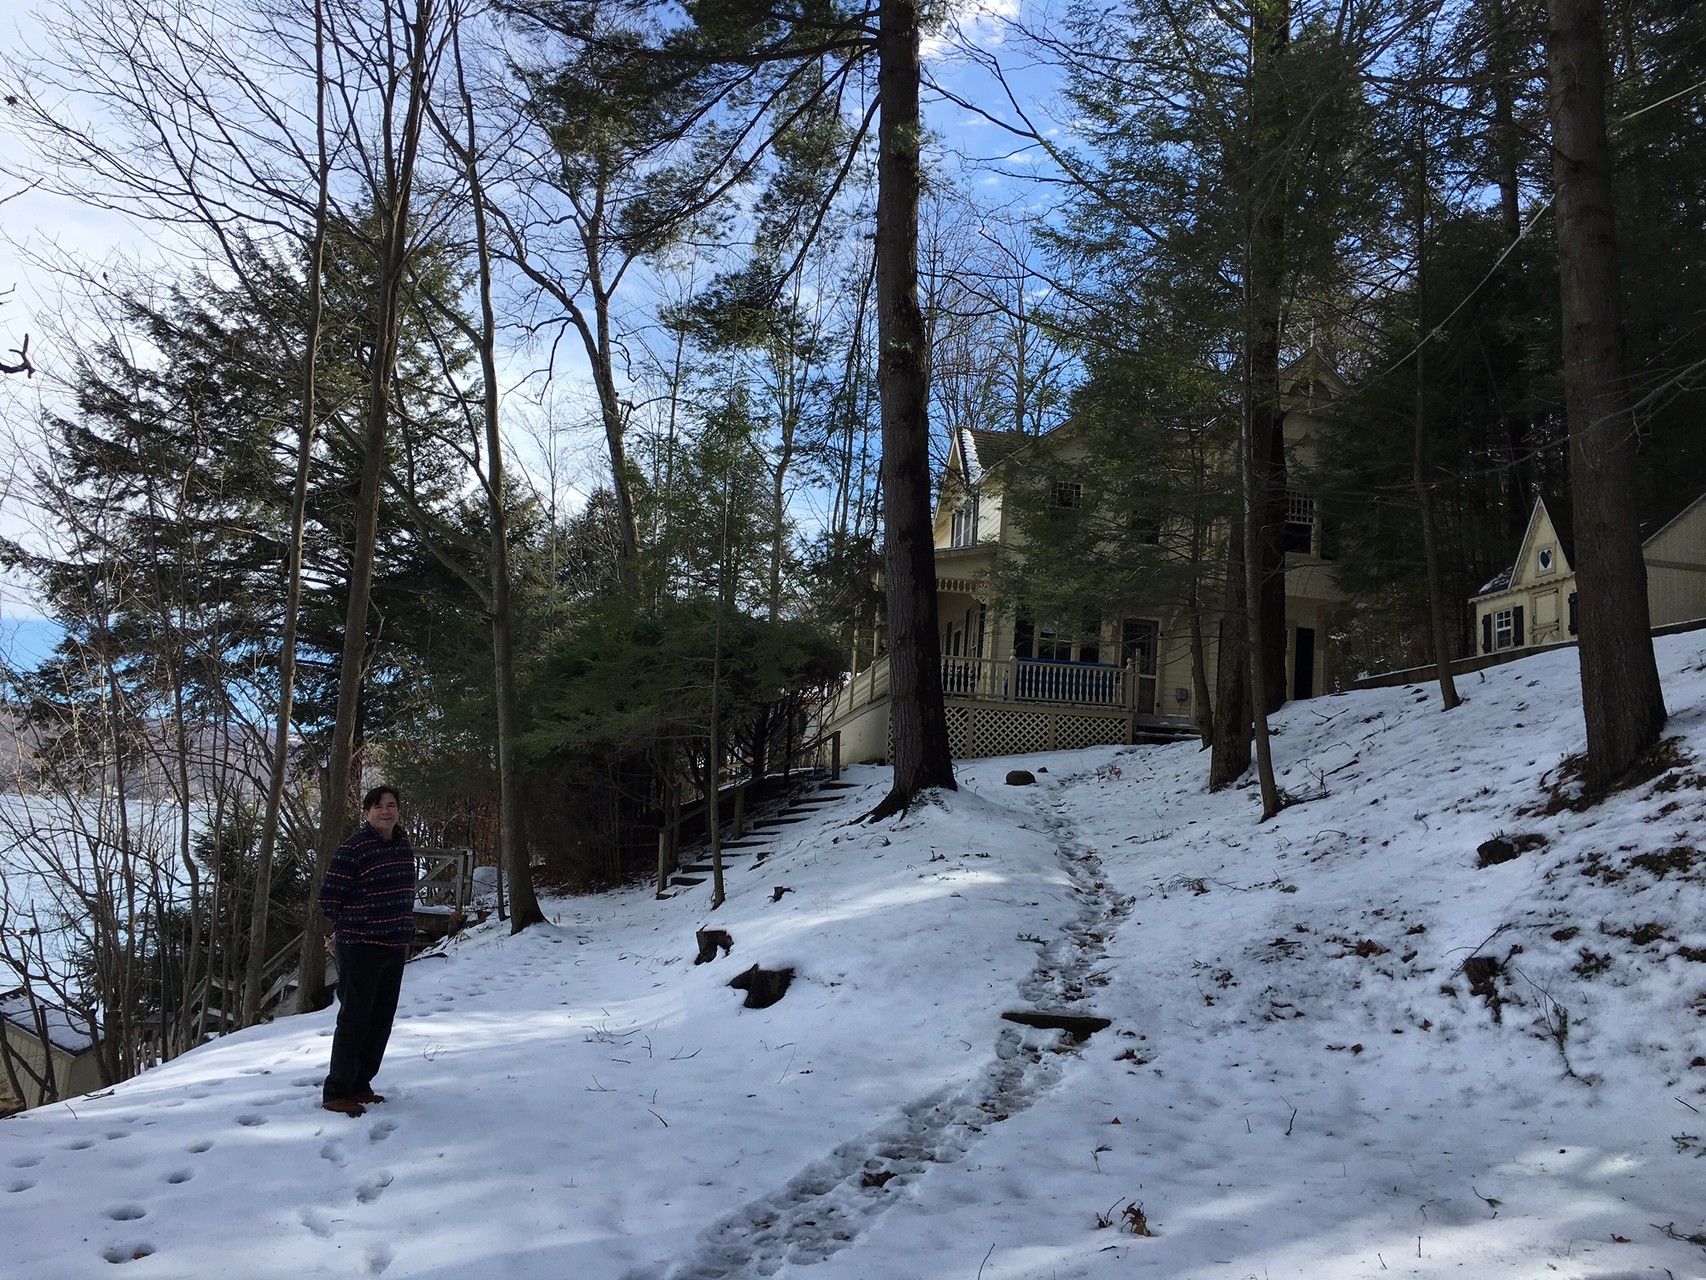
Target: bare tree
[[466, 150], [393, 55], [256, 961]]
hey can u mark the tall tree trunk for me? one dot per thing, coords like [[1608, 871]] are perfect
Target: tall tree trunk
[[1419, 470], [918, 721], [1270, 127], [253, 969], [391, 221], [512, 813], [1622, 702], [1257, 608], [1253, 629], [1229, 755], [1502, 55]]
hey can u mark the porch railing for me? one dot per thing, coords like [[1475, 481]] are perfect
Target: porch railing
[[1079, 684]]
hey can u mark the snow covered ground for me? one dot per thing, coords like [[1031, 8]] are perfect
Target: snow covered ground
[[1297, 1080]]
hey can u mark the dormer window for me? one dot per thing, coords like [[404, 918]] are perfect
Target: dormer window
[[1546, 560]]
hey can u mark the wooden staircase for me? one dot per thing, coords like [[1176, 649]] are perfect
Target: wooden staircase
[[758, 838]]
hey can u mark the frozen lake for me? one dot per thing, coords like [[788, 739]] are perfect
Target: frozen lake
[[68, 870]]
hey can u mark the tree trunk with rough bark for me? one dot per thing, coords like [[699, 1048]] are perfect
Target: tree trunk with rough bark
[[1622, 702], [918, 721]]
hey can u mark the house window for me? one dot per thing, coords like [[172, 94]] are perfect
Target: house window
[[964, 532], [1090, 638], [1504, 629], [1067, 494], [1146, 529], [1299, 532], [1054, 641], [1546, 560]]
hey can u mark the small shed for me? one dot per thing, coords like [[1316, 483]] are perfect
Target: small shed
[[42, 1037], [1534, 601]]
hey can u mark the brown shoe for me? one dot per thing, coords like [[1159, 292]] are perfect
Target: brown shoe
[[350, 1107], [367, 1096]]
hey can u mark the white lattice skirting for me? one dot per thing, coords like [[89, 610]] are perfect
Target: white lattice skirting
[[976, 730]]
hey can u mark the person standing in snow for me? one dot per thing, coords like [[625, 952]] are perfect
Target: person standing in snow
[[369, 897]]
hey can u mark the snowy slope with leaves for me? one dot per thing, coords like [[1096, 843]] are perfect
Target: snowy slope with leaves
[[1297, 1080]]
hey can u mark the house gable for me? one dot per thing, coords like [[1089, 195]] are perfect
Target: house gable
[[1541, 559]]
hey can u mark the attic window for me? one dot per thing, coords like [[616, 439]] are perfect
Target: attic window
[[1299, 533], [1546, 560], [964, 530], [1068, 494]]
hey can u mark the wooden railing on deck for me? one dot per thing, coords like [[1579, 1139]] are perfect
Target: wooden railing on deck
[[1081, 684]]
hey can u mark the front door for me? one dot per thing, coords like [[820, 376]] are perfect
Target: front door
[[1303, 663]]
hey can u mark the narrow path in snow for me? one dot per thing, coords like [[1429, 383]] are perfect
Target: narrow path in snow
[[828, 1204]]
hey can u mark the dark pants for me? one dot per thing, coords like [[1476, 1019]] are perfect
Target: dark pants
[[369, 979]]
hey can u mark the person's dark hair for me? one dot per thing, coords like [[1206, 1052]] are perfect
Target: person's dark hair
[[378, 793]]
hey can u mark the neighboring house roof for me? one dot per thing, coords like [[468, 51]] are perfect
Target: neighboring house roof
[[1665, 523], [1504, 580], [62, 1033]]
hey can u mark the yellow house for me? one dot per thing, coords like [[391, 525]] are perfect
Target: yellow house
[[1013, 683], [43, 1042], [1533, 602]]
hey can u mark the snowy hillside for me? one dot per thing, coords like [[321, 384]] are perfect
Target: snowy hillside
[[1297, 1081]]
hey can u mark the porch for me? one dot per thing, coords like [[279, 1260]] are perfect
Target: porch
[[1013, 705]]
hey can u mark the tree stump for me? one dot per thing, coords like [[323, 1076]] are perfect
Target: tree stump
[[709, 940]]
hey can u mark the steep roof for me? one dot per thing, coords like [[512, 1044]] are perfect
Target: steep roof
[[1502, 581], [62, 1033], [985, 450]]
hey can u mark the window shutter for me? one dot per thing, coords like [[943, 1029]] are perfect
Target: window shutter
[[1516, 626], [1486, 633], [1572, 613]]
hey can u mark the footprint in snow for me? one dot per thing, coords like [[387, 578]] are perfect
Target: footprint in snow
[[126, 1212], [374, 1187], [318, 1221], [196, 1148], [22, 1184], [335, 1153], [128, 1251], [376, 1259], [381, 1131], [25, 1162], [179, 1176], [251, 1119]]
